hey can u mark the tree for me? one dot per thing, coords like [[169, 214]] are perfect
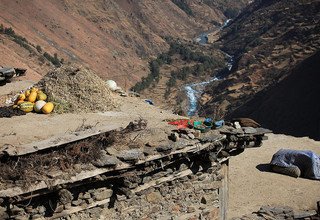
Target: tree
[[39, 49], [9, 31]]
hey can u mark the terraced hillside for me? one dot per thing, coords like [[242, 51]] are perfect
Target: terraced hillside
[[269, 40]]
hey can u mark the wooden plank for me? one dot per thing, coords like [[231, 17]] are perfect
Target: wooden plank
[[224, 191], [16, 191], [53, 142]]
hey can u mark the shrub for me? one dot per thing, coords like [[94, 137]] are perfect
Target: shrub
[[39, 49]]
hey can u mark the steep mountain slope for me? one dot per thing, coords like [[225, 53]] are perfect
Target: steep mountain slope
[[114, 38], [268, 40], [291, 106]]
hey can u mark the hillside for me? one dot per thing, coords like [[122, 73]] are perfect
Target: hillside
[[291, 106], [270, 41], [114, 38]]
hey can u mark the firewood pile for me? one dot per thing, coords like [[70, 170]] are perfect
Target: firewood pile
[[129, 173]]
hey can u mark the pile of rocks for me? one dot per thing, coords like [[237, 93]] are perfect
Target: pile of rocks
[[279, 212]]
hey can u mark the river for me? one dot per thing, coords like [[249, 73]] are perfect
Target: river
[[194, 90]]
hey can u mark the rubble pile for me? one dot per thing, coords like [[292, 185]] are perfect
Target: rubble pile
[[179, 174], [77, 89], [280, 212]]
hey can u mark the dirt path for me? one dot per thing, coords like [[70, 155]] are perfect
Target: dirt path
[[251, 188]]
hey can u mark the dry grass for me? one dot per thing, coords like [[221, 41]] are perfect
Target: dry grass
[[77, 89]]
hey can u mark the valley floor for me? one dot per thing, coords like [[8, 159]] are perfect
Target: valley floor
[[251, 185]]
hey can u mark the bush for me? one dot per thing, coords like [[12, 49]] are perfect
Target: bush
[[53, 59], [16, 38], [9, 31], [39, 49]]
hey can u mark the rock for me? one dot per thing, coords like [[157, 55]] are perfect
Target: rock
[[304, 214], [164, 148], [112, 151], [131, 155], [121, 197], [89, 201], [76, 202], [276, 210], [237, 125], [41, 209], [210, 138], [154, 197], [148, 151], [174, 136], [137, 125], [31, 210], [65, 196], [184, 136], [102, 194], [176, 208], [213, 214], [86, 196], [249, 130], [17, 211], [59, 209], [146, 179], [182, 143], [3, 213], [105, 160], [191, 136], [191, 209], [206, 199], [80, 196], [37, 217], [197, 133], [212, 186]]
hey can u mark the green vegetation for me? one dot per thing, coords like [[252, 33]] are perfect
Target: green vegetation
[[53, 59], [39, 49], [182, 4], [22, 41], [16, 38], [204, 64]]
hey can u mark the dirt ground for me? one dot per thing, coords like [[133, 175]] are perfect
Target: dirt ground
[[33, 127], [251, 185]]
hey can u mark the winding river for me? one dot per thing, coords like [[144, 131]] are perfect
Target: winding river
[[194, 90]]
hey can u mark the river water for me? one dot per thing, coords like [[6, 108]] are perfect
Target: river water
[[194, 90]]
